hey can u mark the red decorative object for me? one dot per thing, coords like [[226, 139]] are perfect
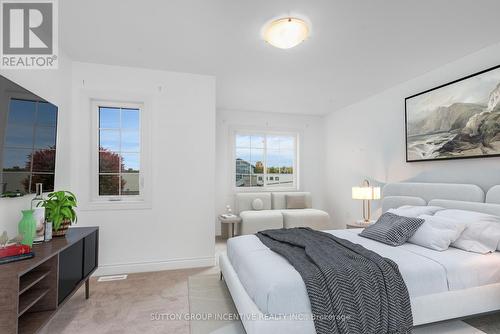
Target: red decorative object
[[14, 250]]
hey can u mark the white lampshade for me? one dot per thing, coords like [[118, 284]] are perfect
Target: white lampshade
[[366, 193], [286, 33]]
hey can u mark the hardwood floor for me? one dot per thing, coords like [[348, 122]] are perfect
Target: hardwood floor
[[144, 303]]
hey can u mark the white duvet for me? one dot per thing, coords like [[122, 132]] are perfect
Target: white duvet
[[277, 288]]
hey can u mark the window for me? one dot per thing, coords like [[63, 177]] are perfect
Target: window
[[265, 160], [29, 155], [119, 151]]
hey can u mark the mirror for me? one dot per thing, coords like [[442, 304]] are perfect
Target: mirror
[[28, 132]]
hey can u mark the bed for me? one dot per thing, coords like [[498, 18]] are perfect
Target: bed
[[271, 296]]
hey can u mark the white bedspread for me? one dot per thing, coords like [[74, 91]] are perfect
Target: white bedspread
[[277, 288]]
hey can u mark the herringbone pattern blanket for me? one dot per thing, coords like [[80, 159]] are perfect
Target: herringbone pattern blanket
[[352, 290]]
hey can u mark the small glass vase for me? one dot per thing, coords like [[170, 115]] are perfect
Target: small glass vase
[[38, 214], [27, 227]]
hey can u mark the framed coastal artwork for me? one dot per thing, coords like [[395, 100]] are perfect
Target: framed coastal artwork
[[458, 120]]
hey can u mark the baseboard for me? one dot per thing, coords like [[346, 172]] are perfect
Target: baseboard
[[130, 268]]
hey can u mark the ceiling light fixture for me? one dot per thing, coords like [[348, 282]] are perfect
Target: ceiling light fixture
[[285, 33]]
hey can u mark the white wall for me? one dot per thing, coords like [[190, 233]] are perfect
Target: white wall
[[54, 86], [367, 140], [177, 230], [311, 146], [363, 140]]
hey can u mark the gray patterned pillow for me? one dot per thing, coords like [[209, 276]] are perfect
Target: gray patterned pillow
[[392, 229]]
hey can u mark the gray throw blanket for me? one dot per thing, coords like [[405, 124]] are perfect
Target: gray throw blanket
[[352, 290]]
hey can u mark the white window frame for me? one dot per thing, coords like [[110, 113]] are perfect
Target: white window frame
[[126, 201], [265, 133]]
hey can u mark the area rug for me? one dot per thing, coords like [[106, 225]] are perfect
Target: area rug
[[211, 307], [213, 312], [489, 324]]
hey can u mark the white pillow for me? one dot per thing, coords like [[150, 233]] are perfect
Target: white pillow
[[468, 216], [482, 232], [437, 232], [415, 210], [257, 204]]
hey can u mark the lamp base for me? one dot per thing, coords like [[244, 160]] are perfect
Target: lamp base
[[365, 222]]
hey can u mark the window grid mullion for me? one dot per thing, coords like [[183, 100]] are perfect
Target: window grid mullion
[[250, 172], [33, 148], [265, 161], [279, 154], [282, 167], [119, 151], [120, 155]]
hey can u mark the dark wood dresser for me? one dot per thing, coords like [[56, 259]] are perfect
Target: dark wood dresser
[[31, 291]]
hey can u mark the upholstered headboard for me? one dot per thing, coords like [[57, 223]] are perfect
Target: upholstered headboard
[[493, 195], [491, 209], [448, 195], [430, 191]]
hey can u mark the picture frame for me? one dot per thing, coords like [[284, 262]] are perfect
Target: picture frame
[[456, 120]]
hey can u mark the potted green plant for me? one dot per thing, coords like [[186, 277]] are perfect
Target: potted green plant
[[59, 209]]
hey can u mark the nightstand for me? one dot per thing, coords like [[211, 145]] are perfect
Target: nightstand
[[359, 224], [232, 219]]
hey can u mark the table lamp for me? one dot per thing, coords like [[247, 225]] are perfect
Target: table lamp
[[366, 193]]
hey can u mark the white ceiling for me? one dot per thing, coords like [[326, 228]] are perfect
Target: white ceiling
[[357, 47]]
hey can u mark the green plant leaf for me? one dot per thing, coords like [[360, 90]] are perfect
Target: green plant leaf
[[59, 207]]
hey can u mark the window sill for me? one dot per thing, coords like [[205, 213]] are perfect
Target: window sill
[[264, 189], [97, 205]]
